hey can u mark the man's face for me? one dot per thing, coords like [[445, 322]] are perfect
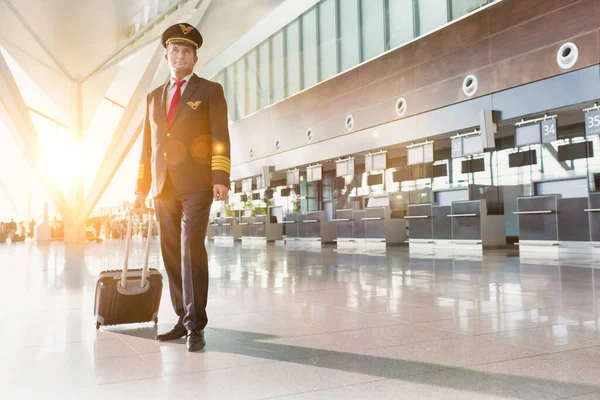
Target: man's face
[[181, 57]]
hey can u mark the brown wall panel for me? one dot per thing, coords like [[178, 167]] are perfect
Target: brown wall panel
[[339, 85], [509, 13], [308, 98], [541, 63], [461, 33], [376, 114], [569, 21], [384, 66], [449, 92], [328, 129], [391, 87], [459, 62], [436, 44], [340, 106]]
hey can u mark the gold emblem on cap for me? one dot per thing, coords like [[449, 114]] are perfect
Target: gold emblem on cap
[[193, 104], [186, 29]]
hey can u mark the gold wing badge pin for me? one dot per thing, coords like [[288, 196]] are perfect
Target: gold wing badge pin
[[186, 29], [194, 104]]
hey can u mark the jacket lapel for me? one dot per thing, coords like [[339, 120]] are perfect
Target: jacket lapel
[[185, 96], [163, 101]]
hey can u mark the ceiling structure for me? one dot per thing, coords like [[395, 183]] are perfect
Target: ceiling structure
[[79, 52]]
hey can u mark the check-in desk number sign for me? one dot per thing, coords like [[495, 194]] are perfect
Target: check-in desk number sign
[[592, 122], [549, 130], [457, 147]]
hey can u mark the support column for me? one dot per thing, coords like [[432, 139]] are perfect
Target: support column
[[74, 226]]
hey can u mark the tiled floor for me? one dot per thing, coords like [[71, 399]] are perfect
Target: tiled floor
[[305, 322]]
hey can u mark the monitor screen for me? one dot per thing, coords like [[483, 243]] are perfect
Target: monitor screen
[[474, 165], [522, 159], [401, 175], [285, 192], [575, 151], [374, 179], [423, 171], [440, 170]]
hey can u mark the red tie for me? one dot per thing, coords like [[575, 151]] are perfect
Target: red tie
[[175, 100]]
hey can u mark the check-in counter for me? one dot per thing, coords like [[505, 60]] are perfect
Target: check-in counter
[[442, 225], [472, 226], [311, 226], [372, 224], [420, 223], [224, 227], [260, 227], [209, 230], [593, 211], [573, 222], [550, 225], [464, 223], [538, 222]]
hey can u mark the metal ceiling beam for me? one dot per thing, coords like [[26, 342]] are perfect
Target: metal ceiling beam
[[125, 135], [16, 116], [134, 39], [39, 40], [111, 61]]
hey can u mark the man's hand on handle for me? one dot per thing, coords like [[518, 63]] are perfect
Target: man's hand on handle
[[140, 203], [220, 192]]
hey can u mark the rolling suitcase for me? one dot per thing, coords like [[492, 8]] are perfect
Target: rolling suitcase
[[128, 295]]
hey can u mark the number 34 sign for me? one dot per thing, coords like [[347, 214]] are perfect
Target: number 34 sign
[[549, 133], [592, 122]]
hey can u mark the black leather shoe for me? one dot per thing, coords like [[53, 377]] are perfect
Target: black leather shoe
[[195, 340], [174, 334]]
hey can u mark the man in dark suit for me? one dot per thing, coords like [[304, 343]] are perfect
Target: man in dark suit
[[186, 159]]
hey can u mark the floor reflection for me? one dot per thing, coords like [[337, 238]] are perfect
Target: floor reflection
[[305, 321]]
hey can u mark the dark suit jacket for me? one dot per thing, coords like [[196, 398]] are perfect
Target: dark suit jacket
[[194, 148]]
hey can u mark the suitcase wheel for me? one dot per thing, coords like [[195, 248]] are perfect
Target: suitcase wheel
[[98, 325]]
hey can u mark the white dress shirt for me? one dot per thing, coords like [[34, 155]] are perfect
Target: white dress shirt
[[172, 88]]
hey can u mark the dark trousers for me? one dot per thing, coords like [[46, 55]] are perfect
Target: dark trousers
[[183, 219]]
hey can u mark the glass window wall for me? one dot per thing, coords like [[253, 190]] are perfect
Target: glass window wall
[[264, 74], [372, 28], [278, 71], [400, 22], [349, 34], [309, 49], [432, 15], [330, 38], [292, 58]]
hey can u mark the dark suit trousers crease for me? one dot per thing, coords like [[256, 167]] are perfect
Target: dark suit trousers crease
[[183, 219]]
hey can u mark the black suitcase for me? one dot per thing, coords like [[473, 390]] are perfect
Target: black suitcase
[[138, 299]]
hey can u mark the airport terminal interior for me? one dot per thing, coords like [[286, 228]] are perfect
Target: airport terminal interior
[[413, 210]]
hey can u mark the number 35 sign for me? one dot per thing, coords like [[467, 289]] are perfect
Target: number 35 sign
[[592, 122]]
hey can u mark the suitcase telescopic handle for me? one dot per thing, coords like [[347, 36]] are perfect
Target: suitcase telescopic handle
[[145, 269]]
